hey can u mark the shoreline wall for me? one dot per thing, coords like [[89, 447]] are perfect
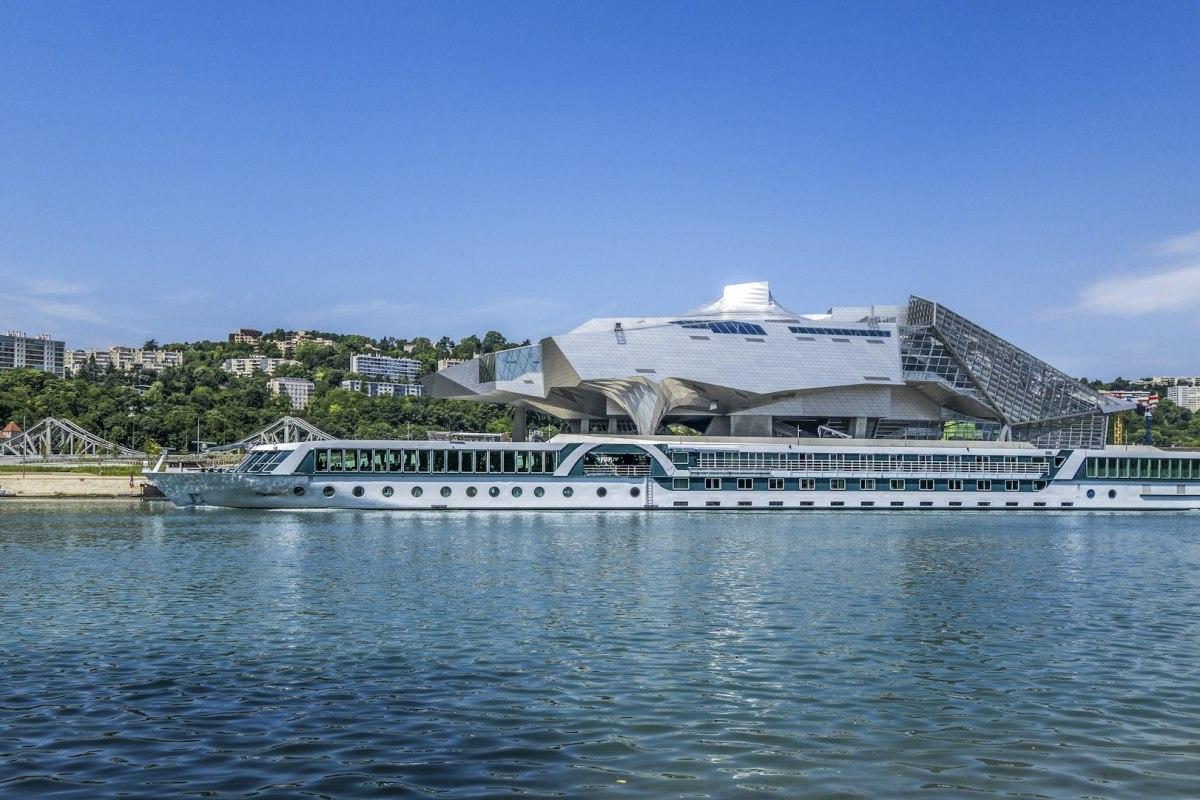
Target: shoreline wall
[[69, 484]]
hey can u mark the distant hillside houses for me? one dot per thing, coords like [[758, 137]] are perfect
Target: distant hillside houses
[[248, 365], [123, 359]]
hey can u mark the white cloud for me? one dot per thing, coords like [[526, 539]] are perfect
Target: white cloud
[[1183, 245], [1132, 295]]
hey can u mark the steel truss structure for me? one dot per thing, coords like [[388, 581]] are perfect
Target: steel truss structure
[[282, 431], [1036, 402], [61, 439]]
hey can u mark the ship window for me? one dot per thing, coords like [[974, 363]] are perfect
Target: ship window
[[358, 491], [445, 491], [866, 484], [775, 484], [551, 461], [601, 492], [896, 484], [298, 491], [510, 461], [328, 491], [712, 483], [364, 460], [377, 460], [1039, 485], [472, 491], [535, 461], [417, 491], [954, 485], [494, 491], [423, 461], [983, 486], [1012, 486], [494, 459], [539, 492], [335, 460], [388, 491], [395, 460], [808, 484], [439, 460], [568, 491], [322, 461], [925, 485], [481, 460], [679, 458], [349, 461], [453, 460], [745, 483], [681, 484], [837, 484], [516, 491], [466, 461]]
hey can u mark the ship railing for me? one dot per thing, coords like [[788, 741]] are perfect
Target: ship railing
[[855, 468], [620, 470]]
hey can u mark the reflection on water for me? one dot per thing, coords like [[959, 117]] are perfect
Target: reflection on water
[[157, 652]]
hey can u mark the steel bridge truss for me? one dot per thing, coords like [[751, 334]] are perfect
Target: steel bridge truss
[[281, 431], [55, 438]]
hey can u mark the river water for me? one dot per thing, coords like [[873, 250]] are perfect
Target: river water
[[155, 652]]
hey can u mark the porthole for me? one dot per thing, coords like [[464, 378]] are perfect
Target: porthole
[[516, 491], [635, 492], [601, 492], [538, 492], [298, 491], [472, 491], [1091, 493], [1112, 494], [328, 491], [445, 491], [358, 491], [417, 491], [568, 491], [387, 491], [494, 491]]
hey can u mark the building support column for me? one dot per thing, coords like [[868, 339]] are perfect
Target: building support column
[[520, 423], [859, 431]]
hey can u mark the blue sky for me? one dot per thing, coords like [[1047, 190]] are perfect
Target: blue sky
[[175, 171]]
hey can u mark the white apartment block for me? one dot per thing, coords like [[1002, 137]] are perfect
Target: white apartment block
[[123, 358], [251, 364], [394, 370], [298, 391], [446, 363], [378, 388], [288, 346], [1185, 396], [38, 352]]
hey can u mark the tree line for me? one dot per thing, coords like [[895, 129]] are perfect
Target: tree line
[[151, 409]]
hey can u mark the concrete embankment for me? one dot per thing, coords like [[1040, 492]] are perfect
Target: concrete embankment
[[69, 484]]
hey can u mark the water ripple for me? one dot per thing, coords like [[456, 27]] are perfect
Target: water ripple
[[160, 653]]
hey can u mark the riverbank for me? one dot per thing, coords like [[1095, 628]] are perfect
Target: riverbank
[[70, 484]]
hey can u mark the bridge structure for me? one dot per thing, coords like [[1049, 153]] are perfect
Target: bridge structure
[[56, 439], [281, 431]]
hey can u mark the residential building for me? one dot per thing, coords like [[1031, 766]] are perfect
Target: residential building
[[10, 430], [251, 364], [1167, 380], [447, 363], [1185, 396], [378, 388], [37, 352], [123, 358], [288, 346], [746, 366], [245, 336], [395, 370], [298, 390]]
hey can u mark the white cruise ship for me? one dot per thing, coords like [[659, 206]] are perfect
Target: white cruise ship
[[693, 473]]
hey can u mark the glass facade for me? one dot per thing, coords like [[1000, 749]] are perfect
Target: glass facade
[[1039, 403], [508, 365]]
